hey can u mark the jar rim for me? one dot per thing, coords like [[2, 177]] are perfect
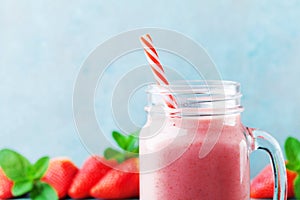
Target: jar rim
[[202, 82], [208, 97], [211, 87]]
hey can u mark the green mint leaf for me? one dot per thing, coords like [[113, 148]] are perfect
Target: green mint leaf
[[40, 167], [14, 164], [293, 166], [120, 139], [136, 150], [131, 155], [297, 187], [292, 150], [110, 153], [132, 143], [127, 143], [22, 187], [43, 191]]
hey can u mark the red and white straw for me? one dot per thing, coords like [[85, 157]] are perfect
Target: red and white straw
[[157, 68]]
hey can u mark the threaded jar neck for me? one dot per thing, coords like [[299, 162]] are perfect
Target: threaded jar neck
[[196, 98]]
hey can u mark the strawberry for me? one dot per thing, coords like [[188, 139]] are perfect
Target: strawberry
[[60, 174], [122, 182], [262, 186], [93, 169], [5, 186]]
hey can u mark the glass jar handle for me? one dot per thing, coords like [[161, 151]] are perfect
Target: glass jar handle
[[264, 141]]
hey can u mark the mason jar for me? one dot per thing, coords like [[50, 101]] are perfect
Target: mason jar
[[199, 149]]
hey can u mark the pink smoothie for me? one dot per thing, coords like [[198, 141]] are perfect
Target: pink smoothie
[[223, 174]]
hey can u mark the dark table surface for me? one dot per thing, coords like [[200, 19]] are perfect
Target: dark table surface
[[138, 199]]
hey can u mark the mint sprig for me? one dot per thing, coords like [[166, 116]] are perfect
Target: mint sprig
[[43, 191], [292, 151], [128, 144], [26, 176], [22, 187], [14, 164]]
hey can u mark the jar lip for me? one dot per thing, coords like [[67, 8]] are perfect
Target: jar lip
[[198, 97], [212, 87], [203, 82]]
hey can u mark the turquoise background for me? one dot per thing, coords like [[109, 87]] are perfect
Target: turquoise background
[[44, 43]]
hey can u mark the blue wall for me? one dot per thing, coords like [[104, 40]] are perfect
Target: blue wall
[[44, 43]]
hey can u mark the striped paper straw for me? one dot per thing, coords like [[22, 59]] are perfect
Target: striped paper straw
[[156, 68]]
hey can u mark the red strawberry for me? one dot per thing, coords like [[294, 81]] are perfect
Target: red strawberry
[[122, 182], [60, 174], [92, 171], [5, 186], [262, 186]]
